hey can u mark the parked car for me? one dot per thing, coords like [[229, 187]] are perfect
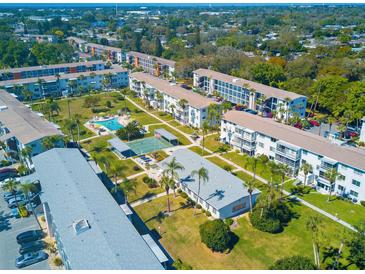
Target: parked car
[[15, 213], [9, 195], [186, 86], [254, 112], [30, 258], [314, 123], [31, 247], [298, 125], [351, 134], [14, 201], [28, 236], [7, 172]]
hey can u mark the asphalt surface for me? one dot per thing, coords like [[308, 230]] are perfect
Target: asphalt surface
[[10, 227]]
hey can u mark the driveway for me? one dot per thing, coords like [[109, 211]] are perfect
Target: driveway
[[9, 229]]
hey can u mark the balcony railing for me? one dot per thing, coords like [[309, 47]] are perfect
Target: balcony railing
[[287, 153]]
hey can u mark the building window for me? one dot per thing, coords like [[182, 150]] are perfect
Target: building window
[[355, 183], [341, 177], [272, 149], [305, 152], [261, 145], [340, 188], [354, 193], [237, 207]]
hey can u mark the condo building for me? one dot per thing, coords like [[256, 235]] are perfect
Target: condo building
[[188, 107], [67, 84], [253, 95], [154, 65], [255, 135], [20, 127], [50, 70]]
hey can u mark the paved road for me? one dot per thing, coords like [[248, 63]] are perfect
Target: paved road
[[9, 229]]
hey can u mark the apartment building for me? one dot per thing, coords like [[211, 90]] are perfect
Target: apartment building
[[154, 65], [223, 195], [253, 95], [168, 97], [96, 50], [255, 135], [50, 70], [21, 127], [91, 230], [67, 84]]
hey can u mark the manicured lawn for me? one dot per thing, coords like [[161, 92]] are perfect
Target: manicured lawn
[[142, 190], [98, 148], [199, 151], [174, 123], [242, 159], [187, 129], [159, 155], [352, 213], [212, 142], [254, 249], [220, 162], [183, 140], [144, 118], [247, 177], [164, 116]]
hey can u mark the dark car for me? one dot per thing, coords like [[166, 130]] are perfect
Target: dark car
[[10, 195], [7, 173], [254, 112], [31, 247], [30, 258], [186, 86], [28, 236], [13, 202]]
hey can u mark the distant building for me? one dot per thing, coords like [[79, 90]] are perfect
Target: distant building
[[67, 84], [38, 38], [150, 88], [248, 93], [223, 195], [91, 230], [362, 132], [151, 64], [255, 135], [20, 127]]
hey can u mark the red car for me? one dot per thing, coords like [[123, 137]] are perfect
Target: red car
[[314, 123], [298, 125], [352, 134]]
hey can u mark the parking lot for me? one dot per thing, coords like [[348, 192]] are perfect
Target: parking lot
[[10, 227]]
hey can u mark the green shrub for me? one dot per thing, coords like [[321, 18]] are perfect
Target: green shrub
[[198, 206], [208, 214], [362, 203], [228, 221], [136, 168], [263, 220], [215, 235], [184, 195], [108, 104], [179, 265], [179, 191], [57, 261], [145, 179], [294, 263]]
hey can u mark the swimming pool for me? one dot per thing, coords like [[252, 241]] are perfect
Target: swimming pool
[[111, 124]]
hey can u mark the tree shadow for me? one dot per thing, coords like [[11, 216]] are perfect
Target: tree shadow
[[234, 240]]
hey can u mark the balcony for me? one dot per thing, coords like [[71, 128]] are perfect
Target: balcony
[[293, 155]]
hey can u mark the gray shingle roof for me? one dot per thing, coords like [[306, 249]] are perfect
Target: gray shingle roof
[[119, 144], [74, 192], [23, 123], [222, 188]]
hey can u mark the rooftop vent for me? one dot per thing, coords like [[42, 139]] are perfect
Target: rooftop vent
[[81, 226], [235, 80], [2, 108]]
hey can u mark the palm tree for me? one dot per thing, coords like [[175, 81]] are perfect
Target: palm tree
[[25, 155], [331, 120], [202, 174], [287, 109], [127, 186], [76, 119], [306, 168], [167, 184], [331, 175], [205, 129], [50, 142], [313, 224], [171, 171], [273, 170], [252, 183], [283, 170], [27, 188], [12, 186], [103, 160], [22, 170]]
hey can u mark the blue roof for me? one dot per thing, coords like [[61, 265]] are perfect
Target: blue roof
[[74, 192], [222, 188], [163, 132], [119, 144]]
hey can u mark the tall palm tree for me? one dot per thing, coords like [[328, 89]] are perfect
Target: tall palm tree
[[306, 168], [273, 170], [103, 160], [205, 129], [313, 224], [283, 170], [167, 183], [27, 188], [203, 176], [251, 184], [331, 175], [12, 186], [127, 186], [331, 120], [25, 155], [171, 171], [49, 142], [76, 119]]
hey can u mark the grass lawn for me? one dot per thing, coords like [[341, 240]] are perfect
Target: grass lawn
[[142, 190], [187, 129], [254, 249], [164, 116], [159, 155], [174, 123], [144, 118], [352, 213], [241, 160], [199, 151], [212, 142], [220, 162], [98, 148], [182, 139], [247, 177]]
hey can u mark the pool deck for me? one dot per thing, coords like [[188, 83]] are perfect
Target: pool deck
[[94, 125]]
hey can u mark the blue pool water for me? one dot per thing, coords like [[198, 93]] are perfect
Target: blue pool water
[[111, 124]]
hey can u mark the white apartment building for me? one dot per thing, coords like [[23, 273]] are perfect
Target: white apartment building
[[168, 96], [67, 84], [255, 135], [253, 95]]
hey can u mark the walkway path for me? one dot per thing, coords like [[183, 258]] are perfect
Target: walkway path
[[148, 199]]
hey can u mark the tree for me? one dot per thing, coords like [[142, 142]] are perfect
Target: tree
[[171, 171], [268, 74], [127, 187], [252, 162], [28, 188], [216, 235], [50, 142], [130, 132], [306, 168], [283, 170], [331, 175], [357, 247], [167, 184], [158, 49], [313, 225], [12, 186], [205, 129], [293, 263], [203, 176]]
